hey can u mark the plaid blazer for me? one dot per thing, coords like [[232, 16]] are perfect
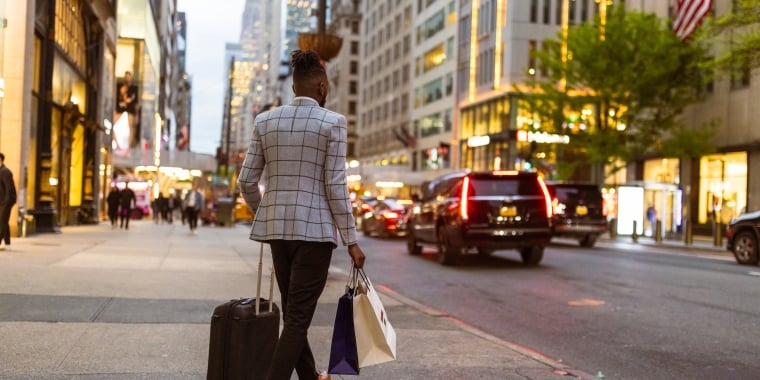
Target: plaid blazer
[[303, 147]]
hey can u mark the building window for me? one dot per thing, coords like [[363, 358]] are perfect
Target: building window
[[547, 12], [352, 108], [532, 55], [354, 47], [353, 87], [534, 11], [740, 76], [69, 30], [354, 67]]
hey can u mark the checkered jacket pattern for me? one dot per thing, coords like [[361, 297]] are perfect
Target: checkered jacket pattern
[[303, 147]]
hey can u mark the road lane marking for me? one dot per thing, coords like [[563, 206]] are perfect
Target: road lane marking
[[754, 274], [585, 302]]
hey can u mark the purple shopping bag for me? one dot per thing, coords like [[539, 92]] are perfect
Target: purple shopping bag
[[344, 356]]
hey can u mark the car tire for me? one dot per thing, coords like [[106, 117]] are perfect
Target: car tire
[[447, 254], [365, 229], [532, 255], [588, 241], [745, 248], [412, 247]]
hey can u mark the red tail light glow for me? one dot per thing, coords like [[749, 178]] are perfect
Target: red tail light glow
[[463, 202], [547, 197]]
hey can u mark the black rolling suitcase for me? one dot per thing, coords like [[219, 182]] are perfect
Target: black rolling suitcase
[[244, 334]]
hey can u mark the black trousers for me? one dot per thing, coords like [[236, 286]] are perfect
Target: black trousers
[[192, 217], [5, 228], [301, 268], [124, 217], [113, 215]]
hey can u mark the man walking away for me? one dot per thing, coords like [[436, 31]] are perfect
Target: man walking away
[[127, 197], [7, 200], [193, 204], [113, 205], [304, 207]]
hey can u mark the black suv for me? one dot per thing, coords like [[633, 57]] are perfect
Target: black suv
[[484, 211], [743, 236], [578, 211]]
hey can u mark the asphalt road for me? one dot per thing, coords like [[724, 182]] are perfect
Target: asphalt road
[[620, 313]]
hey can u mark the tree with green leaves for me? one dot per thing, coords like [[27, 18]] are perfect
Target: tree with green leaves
[[737, 34], [625, 83]]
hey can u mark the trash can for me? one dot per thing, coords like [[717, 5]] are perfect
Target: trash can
[[224, 208]]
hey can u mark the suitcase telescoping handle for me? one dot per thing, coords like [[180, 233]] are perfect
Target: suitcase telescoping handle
[[258, 281]]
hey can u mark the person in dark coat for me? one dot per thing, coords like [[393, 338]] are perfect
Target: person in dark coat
[[7, 200], [162, 206], [113, 205], [126, 202]]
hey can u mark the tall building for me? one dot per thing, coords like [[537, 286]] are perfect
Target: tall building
[[343, 70], [251, 77], [385, 98], [182, 109], [434, 96]]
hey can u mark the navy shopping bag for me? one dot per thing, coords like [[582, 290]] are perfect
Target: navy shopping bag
[[344, 356]]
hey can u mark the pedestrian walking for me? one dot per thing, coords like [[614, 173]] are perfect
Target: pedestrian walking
[[178, 203], [7, 200], [126, 202], [113, 200], [303, 147], [193, 203], [162, 205]]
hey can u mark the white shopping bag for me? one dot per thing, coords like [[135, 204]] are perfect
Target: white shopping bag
[[375, 336]]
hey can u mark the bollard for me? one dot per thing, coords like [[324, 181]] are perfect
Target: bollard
[[689, 240], [634, 234], [658, 231], [718, 234], [613, 228]]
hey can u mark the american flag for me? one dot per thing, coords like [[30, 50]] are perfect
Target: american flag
[[687, 15]]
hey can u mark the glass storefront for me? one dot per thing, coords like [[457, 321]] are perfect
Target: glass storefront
[[722, 187]]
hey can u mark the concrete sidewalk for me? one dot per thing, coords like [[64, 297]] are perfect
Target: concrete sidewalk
[[99, 303]]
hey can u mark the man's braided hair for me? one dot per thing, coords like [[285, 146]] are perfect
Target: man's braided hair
[[306, 65]]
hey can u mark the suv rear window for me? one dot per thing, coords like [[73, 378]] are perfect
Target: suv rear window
[[589, 194], [485, 186]]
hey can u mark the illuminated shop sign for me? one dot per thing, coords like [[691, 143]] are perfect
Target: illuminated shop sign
[[541, 137], [475, 141]]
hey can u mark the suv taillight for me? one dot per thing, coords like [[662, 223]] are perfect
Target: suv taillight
[[547, 197], [463, 199]]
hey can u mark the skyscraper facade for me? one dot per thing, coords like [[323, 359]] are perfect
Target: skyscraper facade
[[386, 138]]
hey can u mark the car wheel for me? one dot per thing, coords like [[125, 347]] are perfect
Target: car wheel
[[532, 255], [447, 254], [485, 252], [588, 241], [412, 247], [365, 228], [745, 248]]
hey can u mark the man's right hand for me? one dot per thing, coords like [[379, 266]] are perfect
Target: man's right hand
[[357, 255]]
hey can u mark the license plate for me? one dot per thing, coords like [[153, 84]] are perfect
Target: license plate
[[508, 211], [581, 210]]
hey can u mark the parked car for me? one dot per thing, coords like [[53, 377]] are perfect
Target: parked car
[[742, 238], [362, 206], [577, 211], [482, 211], [386, 218]]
